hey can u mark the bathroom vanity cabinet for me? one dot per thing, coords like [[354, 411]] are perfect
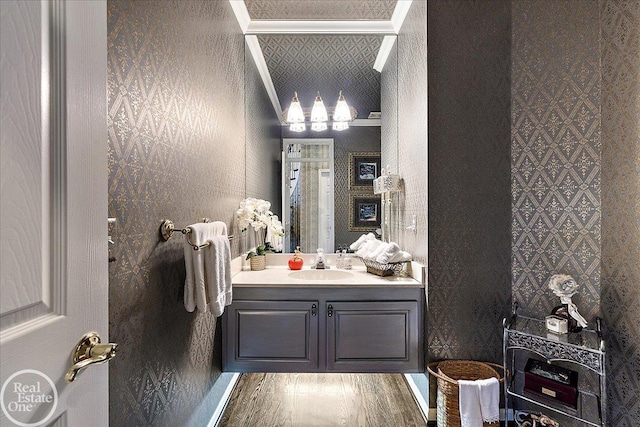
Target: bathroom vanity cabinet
[[324, 329]]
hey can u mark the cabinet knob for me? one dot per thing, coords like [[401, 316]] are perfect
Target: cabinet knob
[[330, 310]]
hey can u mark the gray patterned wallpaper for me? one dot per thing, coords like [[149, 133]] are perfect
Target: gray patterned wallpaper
[[321, 9], [555, 152], [469, 178], [412, 128], [325, 63], [176, 150], [620, 292]]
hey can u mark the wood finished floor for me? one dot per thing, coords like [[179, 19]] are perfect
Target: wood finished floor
[[322, 400]]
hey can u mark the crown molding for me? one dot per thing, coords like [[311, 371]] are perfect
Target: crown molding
[[242, 14], [263, 70], [399, 13], [383, 53]]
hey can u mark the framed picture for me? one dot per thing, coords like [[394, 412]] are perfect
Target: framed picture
[[364, 212], [364, 167]]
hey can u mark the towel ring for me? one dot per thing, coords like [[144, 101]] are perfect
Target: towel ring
[[167, 228]]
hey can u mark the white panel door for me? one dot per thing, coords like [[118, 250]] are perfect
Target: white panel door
[[53, 209]]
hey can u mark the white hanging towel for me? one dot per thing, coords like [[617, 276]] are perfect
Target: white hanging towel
[[207, 284], [479, 401]]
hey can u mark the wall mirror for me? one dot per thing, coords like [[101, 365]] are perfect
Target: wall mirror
[[312, 178]]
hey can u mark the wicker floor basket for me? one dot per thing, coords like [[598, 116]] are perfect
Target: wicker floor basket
[[448, 373]]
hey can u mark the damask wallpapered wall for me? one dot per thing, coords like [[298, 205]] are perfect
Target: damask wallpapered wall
[[575, 180], [469, 178], [176, 150], [620, 288], [355, 139], [556, 143]]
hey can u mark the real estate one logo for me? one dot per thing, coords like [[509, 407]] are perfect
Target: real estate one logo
[[28, 398]]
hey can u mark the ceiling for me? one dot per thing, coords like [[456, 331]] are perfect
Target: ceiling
[[321, 9], [320, 45]]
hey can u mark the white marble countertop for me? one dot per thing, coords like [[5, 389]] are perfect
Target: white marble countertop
[[278, 274]]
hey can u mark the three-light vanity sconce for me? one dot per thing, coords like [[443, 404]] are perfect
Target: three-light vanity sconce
[[295, 115]]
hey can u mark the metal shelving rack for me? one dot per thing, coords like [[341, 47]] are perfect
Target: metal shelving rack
[[584, 349]]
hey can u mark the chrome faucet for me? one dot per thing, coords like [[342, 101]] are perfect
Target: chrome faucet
[[320, 263]]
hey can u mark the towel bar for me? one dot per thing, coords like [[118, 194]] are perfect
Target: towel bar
[[167, 228]]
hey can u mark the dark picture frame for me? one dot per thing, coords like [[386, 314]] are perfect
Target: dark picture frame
[[364, 167], [365, 212]]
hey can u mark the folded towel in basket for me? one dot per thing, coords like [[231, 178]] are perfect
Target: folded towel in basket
[[368, 247], [389, 252], [361, 241]]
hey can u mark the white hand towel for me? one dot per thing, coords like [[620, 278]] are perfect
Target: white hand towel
[[469, 404], [377, 251], [479, 401], [401, 256], [490, 399], [217, 265], [389, 252], [199, 264], [367, 248], [361, 241]]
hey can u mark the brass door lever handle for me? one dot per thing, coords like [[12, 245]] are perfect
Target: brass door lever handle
[[89, 351]]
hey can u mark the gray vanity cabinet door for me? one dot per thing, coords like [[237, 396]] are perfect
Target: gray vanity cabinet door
[[373, 336], [271, 336]]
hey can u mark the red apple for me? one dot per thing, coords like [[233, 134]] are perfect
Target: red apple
[[295, 263]]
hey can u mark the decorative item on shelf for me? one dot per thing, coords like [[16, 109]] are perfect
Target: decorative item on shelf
[[526, 419], [565, 286], [557, 324], [551, 382]]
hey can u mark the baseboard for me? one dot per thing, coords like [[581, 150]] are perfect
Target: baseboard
[[223, 388], [419, 387]]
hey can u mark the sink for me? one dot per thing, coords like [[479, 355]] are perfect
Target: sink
[[320, 275]]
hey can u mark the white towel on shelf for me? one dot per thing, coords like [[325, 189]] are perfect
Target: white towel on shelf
[[389, 252], [207, 284], [478, 402], [361, 241]]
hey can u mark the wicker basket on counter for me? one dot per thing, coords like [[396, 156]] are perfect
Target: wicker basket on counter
[[383, 270]]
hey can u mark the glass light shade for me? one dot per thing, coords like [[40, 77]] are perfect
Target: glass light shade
[[340, 126], [319, 112], [342, 113], [295, 113], [319, 126], [297, 127]]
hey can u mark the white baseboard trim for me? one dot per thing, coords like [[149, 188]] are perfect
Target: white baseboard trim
[[225, 384], [420, 393]]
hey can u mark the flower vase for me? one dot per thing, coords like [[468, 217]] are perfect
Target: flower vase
[[258, 262]]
